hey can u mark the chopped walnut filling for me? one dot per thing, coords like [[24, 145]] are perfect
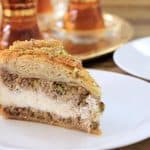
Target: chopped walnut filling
[[56, 90], [47, 117]]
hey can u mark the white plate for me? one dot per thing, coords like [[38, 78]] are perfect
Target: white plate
[[134, 58], [125, 121]]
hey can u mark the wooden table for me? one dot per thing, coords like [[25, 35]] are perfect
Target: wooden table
[[137, 12]]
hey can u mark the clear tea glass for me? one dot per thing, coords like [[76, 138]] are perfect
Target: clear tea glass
[[44, 6], [84, 15], [19, 21]]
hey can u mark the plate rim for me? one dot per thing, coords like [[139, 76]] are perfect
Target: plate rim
[[129, 71], [133, 139]]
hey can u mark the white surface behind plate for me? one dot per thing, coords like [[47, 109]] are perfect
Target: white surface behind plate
[[126, 120]]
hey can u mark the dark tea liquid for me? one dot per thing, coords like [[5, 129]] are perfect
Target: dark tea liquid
[[44, 6], [19, 21], [84, 15]]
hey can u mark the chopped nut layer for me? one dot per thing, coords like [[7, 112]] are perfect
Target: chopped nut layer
[[56, 90]]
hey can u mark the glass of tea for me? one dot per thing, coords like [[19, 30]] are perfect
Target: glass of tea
[[44, 9], [84, 15], [19, 21], [44, 6]]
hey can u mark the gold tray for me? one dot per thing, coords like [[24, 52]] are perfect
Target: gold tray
[[118, 31]]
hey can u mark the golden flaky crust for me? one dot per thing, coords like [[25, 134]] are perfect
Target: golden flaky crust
[[46, 59], [30, 114]]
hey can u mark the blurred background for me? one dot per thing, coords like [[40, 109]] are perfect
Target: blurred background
[[137, 12]]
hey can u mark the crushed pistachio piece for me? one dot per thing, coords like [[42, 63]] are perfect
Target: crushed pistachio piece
[[102, 106], [75, 72]]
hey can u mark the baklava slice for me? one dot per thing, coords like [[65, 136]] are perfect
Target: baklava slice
[[49, 86]]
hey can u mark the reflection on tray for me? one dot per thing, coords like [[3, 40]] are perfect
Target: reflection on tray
[[87, 45]]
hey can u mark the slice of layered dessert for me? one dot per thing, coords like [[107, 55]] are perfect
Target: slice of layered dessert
[[40, 82]]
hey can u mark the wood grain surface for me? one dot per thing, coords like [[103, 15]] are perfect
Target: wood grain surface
[[137, 12]]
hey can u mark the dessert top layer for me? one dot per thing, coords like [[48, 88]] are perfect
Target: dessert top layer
[[46, 59]]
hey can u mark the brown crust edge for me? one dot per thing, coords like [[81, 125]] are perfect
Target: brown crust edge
[[0, 109], [7, 115]]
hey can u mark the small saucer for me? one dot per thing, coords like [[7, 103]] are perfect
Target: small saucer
[[117, 32], [134, 58]]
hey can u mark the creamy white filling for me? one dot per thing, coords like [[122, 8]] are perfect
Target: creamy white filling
[[39, 101]]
